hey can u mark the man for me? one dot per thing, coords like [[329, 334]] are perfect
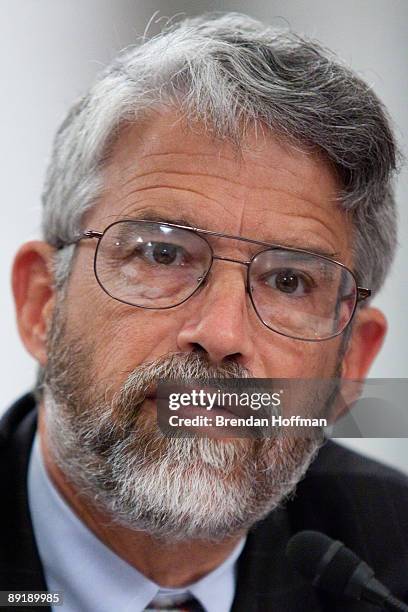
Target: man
[[169, 187]]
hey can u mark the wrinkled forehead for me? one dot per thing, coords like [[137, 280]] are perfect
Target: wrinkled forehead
[[267, 189]]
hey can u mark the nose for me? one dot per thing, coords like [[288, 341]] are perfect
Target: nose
[[220, 321]]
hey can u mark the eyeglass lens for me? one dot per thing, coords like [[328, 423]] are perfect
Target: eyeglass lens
[[152, 265]]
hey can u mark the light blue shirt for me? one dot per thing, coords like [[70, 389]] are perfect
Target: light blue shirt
[[90, 575]]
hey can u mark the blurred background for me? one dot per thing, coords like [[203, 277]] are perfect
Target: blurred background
[[50, 54]]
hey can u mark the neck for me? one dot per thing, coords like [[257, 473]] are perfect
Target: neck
[[168, 564]]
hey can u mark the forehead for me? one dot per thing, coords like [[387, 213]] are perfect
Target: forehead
[[270, 191]]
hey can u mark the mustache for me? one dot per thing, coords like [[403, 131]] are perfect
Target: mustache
[[180, 368]]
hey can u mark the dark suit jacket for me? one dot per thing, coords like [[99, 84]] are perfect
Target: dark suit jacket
[[349, 497]]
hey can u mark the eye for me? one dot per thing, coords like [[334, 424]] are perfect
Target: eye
[[289, 281], [163, 253]]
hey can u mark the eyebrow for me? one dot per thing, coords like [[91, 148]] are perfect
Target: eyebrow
[[151, 214]]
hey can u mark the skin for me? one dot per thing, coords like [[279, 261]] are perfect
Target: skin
[[273, 193]]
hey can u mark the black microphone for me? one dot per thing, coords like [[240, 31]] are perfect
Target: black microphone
[[332, 567]]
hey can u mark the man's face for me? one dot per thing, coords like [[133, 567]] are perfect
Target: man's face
[[111, 350], [274, 194]]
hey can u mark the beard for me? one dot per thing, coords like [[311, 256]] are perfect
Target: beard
[[111, 450]]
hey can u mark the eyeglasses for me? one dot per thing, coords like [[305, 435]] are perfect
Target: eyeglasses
[[160, 265]]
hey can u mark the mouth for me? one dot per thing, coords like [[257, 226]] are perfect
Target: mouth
[[211, 410], [162, 401]]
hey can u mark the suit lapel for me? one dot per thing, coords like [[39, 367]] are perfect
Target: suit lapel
[[266, 582], [20, 566]]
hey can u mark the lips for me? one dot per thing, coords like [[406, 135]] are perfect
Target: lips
[[162, 392]]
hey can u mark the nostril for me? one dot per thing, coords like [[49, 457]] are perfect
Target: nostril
[[233, 360], [197, 348]]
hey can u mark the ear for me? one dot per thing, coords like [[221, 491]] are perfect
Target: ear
[[33, 291], [368, 334], [369, 329]]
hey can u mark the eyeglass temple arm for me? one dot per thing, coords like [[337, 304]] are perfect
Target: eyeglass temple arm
[[363, 293], [86, 235], [91, 234]]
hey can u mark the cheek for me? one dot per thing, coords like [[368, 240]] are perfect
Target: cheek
[[121, 336], [118, 336], [286, 358]]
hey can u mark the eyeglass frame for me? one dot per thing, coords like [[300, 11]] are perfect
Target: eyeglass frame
[[362, 293]]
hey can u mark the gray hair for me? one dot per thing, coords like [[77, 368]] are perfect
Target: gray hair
[[229, 73]]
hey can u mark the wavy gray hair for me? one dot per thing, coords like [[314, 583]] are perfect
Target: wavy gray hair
[[230, 73]]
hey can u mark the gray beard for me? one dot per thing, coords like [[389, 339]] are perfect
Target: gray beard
[[173, 488]]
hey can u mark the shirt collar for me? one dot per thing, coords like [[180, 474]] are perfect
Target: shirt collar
[[91, 576]]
